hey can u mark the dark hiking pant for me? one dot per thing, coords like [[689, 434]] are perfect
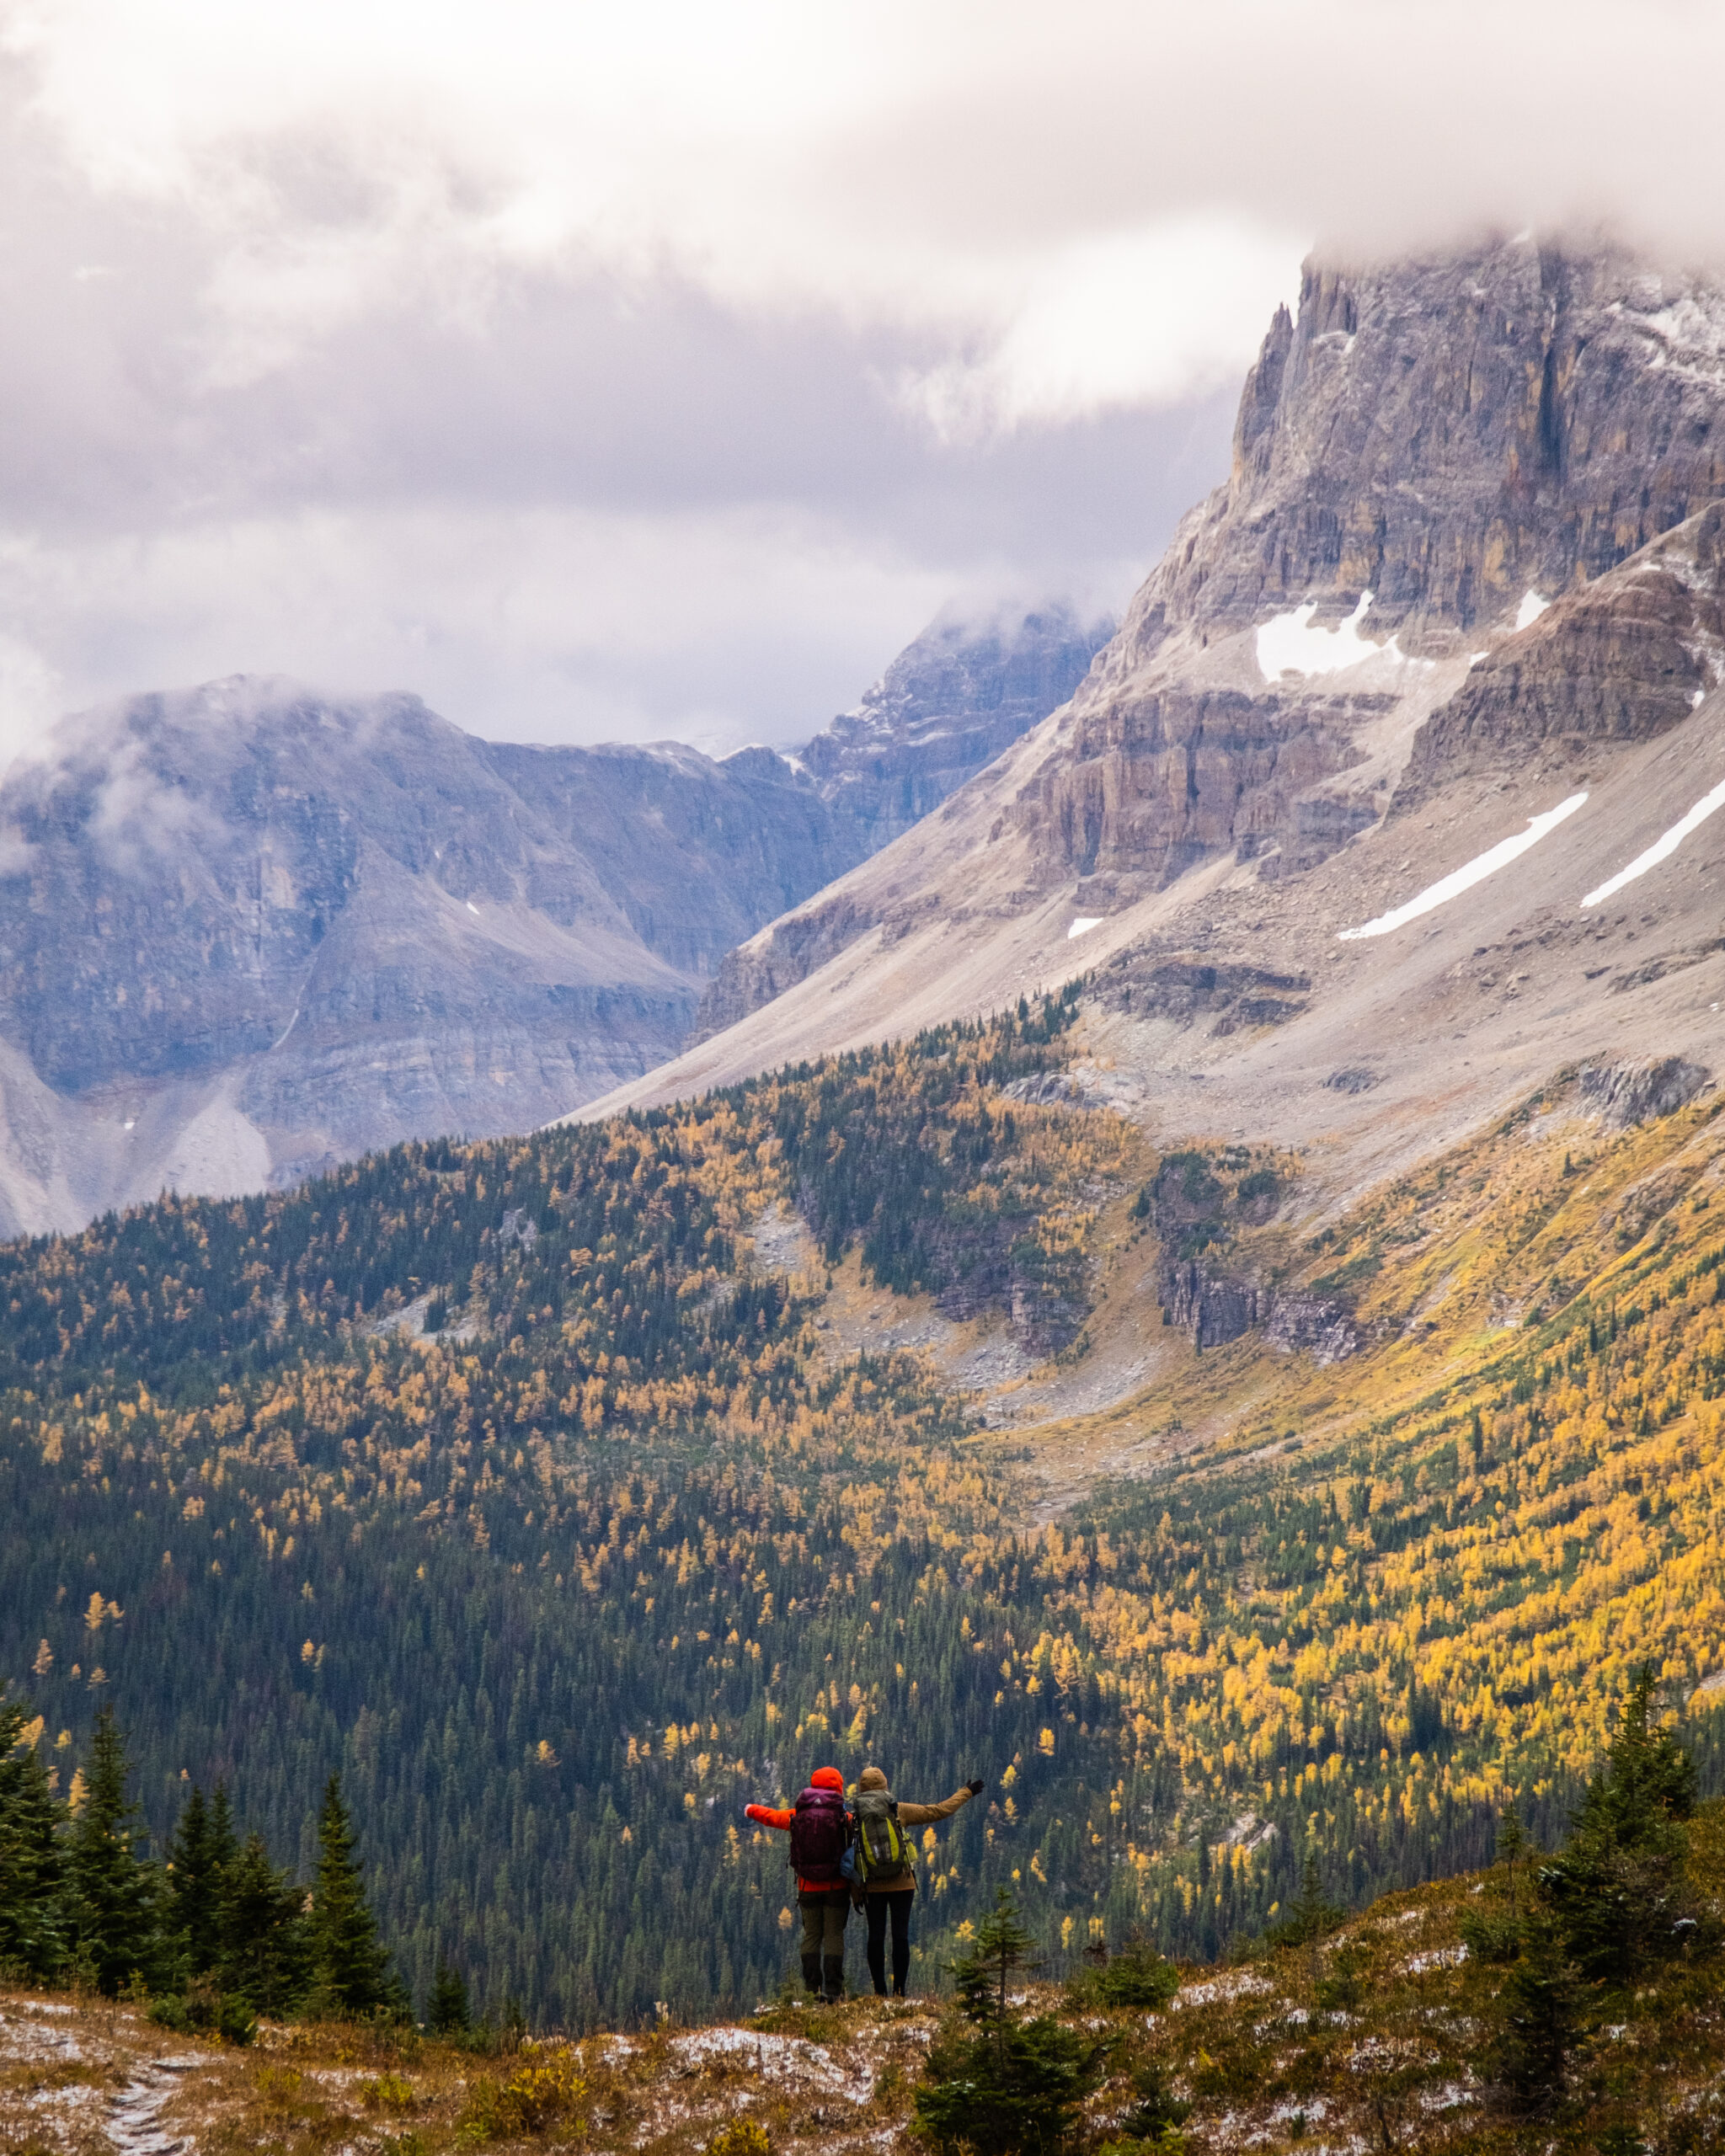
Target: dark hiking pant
[[897, 1905], [824, 1917]]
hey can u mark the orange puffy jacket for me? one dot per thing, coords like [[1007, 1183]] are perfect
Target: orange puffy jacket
[[772, 1815]]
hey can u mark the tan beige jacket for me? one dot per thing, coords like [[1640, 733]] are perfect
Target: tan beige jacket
[[916, 1814]]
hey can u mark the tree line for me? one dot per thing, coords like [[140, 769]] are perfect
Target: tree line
[[214, 1934]]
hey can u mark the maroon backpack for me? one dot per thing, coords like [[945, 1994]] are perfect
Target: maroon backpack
[[820, 1834]]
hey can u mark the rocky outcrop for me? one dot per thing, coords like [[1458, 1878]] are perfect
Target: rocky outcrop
[[949, 703], [1441, 437], [1213, 1307], [1157, 781], [1447, 434], [1624, 659], [1185, 989], [778, 958], [1624, 1094], [1318, 1326]]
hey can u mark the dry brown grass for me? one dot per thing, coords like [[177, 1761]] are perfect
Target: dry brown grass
[[1371, 2042]]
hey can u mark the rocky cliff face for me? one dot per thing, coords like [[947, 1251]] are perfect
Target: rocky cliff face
[[949, 703], [1449, 433], [694, 854], [1425, 446], [1624, 659]]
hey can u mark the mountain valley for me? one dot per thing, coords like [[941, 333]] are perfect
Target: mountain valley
[[1180, 1283]]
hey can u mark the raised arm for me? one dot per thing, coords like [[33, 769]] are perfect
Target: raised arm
[[925, 1815], [768, 1814]]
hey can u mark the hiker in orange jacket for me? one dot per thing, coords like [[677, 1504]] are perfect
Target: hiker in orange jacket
[[819, 1828], [886, 1867]]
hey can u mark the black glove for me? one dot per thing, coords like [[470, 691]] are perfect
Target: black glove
[[974, 1788]]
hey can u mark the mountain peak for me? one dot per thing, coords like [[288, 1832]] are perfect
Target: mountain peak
[[1448, 433]]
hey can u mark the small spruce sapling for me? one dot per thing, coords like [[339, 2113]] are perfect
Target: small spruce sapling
[[996, 2082], [449, 2014]]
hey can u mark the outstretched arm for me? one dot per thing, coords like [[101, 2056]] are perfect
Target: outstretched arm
[[925, 1815], [768, 1814]]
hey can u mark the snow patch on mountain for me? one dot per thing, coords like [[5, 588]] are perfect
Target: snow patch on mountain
[[1470, 873], [1288, 644], [1661, 849]]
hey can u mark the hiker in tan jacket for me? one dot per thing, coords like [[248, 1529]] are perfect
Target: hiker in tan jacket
[[885, 1863]]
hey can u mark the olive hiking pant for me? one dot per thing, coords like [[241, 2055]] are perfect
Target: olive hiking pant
[[823, 1918]]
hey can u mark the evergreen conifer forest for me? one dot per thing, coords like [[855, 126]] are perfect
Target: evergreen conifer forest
[[621, 1541]]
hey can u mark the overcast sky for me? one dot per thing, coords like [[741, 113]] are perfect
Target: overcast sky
[[606, 371]]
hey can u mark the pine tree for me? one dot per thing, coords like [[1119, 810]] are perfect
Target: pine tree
[[111, 1890], [997, 2085], [349, 1967], [32, 1859], [1537, 2007], [1619, 1887], [449, 2014], [264, 1941], [194, 1886]]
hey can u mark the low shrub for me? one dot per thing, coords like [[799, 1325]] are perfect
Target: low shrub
[[201, 2011], [1137, 1975], [541, 2091], [389, 2092], [740, 2138]]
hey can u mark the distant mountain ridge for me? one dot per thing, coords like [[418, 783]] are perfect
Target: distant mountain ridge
[[247, 929]]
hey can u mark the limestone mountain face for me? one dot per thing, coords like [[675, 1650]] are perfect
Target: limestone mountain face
[[245, 930], [1468, 563], [1424, 448], [1447, 435], [949, 703], [1429, 453]]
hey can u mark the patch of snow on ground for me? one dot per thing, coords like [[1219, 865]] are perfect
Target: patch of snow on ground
[[1449, 2097], [1661, 849], [1084, 922], [1470, 873], [777, 2058], [1221, 1987], [1532, 606], [1290, 644], [1440, 1957]]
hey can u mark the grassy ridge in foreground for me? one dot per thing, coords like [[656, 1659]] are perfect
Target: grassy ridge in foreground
[[1371, 2038]]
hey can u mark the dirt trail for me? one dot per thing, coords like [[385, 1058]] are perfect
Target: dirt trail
[[134, 2116]]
